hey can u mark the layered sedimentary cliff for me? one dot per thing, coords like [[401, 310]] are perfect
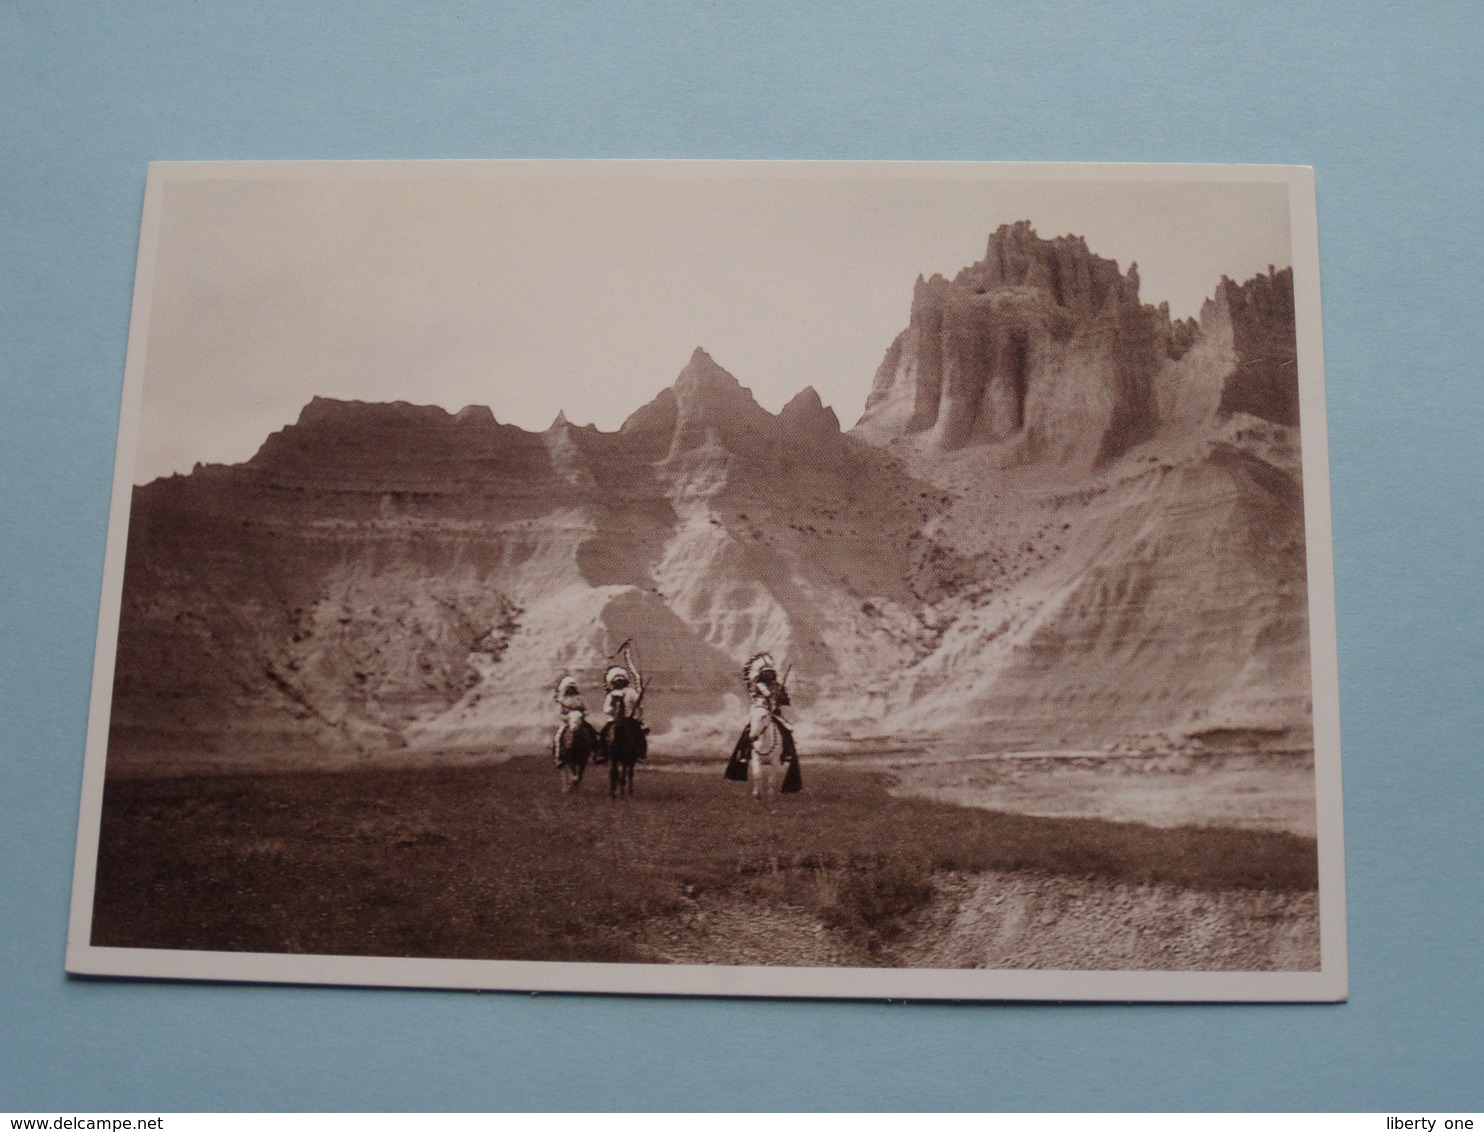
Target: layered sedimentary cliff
[[1165, 580], [384, 575], [1063, 517], [1041, 348]]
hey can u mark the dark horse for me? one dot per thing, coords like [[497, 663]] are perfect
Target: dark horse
[[625, 745], [578, 745]]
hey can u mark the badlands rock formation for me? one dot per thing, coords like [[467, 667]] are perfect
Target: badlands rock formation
[[1041, 348], [1063, 518]]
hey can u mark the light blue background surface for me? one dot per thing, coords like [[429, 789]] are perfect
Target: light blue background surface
[[1384, 100]]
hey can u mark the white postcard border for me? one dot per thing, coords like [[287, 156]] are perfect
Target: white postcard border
[[1328, 984]]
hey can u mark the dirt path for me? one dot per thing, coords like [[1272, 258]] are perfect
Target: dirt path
[[1260, 790], [1243, 792]]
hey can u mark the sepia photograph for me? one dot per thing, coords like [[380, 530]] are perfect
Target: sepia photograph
[[811, 579]]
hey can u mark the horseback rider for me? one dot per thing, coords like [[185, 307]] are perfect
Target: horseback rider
[[571, 709], [623, 696], [768, 730]]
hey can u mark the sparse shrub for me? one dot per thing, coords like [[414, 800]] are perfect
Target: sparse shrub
[[879, 900]]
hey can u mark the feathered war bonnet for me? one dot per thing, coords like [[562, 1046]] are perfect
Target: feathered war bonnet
[[753, 670]]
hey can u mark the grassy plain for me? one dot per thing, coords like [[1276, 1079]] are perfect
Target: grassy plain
[[492, 862]]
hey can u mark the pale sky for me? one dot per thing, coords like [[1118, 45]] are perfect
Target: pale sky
[[538, 287]]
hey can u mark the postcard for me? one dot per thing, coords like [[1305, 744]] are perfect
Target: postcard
[[811, 579]]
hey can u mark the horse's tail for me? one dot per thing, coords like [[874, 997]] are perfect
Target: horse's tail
[[628, 734], [577, 743]]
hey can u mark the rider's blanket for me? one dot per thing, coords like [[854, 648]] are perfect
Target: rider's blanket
[[736, 768]]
